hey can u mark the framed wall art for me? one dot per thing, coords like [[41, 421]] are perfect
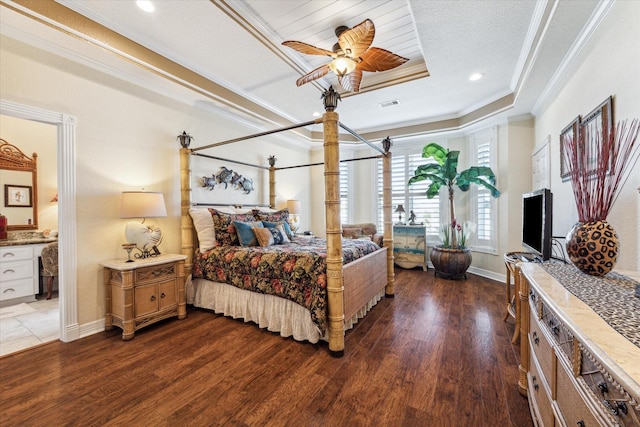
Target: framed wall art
[[18, 196], [569, 134], [596, 128]]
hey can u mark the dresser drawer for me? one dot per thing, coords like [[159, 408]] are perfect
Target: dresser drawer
[[16, 288], [12, 253], [155, 273], [573, 408], [540, 346], [16, 270], [558, 332], [539, 396], [600, 385]]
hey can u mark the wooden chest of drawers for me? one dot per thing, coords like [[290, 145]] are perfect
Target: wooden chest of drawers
[[579, 371], [410, 246], [143, 292]]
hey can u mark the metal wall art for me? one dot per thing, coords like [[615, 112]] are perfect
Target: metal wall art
[[228, 177]]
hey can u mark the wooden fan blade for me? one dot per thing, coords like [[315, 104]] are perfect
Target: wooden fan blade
[[313, 75], [307, 48], [355, 41], [351, 81], [376, 59]]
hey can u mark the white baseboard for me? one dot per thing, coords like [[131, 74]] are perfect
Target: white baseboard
[[91, 328]]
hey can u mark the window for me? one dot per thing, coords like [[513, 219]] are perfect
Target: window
[[484, 208], [412, 197]]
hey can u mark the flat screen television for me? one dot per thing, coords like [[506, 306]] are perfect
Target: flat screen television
[[537, 222]]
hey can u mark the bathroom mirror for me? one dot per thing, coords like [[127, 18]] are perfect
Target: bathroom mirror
[[19, 187]]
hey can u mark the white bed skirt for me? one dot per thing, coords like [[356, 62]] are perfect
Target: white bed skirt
[[267, 311]]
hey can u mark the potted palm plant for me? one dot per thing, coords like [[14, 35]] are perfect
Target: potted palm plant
[[452, 258]]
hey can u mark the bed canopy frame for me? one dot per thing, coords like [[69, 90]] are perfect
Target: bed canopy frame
[[335, 284]]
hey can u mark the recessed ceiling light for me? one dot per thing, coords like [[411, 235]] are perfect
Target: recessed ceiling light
[[476, 76], [316, 114], [145, 5]]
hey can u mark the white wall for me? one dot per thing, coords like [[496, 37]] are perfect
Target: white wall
[[610, 65], [126, 140]]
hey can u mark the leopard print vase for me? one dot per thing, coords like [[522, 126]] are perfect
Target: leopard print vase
[[593, 247]]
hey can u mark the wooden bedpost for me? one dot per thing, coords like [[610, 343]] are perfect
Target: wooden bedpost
[[388, 222], [272, 182], [186, 224], [335, 285]]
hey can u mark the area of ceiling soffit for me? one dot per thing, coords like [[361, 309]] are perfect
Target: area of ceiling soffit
[[544, 35]]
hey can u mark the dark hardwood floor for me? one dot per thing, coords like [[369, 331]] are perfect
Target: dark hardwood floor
[[438, 354]]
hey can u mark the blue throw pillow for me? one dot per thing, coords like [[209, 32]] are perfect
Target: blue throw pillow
[[287, 229], [245, 234]]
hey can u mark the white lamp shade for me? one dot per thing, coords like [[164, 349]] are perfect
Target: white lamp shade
[[294, 206], [142, 204]]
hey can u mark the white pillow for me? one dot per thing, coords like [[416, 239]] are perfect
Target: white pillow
[[203, 223]]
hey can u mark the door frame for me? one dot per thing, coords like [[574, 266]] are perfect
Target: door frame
[[67, 237]]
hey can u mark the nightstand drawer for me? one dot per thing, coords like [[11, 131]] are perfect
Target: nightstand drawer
[[154, 297], [155, 273]]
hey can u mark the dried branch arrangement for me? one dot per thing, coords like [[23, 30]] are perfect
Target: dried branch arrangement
[[599, 165]]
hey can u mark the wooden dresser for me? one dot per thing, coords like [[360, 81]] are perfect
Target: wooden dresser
[[143, 292], [575, 369]]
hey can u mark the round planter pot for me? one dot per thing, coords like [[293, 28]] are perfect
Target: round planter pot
[[593, 247], [450, 263]]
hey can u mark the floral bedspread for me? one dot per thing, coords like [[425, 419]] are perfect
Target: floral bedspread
[[295, 271]]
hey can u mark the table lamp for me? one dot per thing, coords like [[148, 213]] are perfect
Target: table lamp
[[400, 211], [143, 204], [295, 207]]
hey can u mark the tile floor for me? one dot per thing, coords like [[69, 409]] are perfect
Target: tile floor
[[29, 325]]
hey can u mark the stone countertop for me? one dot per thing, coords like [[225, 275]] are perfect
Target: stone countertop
[[30, 241]]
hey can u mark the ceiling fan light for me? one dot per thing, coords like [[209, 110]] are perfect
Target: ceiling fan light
[[342, 65]]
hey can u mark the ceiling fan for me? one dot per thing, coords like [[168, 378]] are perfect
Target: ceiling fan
[[352, 55]]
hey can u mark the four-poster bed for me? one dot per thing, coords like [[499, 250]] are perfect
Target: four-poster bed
[[352, 286]]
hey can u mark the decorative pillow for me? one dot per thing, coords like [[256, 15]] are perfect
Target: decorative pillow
[[203, 222], [283, 232], [281, 215], [268, 236], [226, 234], [245, 234], [351, 233], [285, 225]]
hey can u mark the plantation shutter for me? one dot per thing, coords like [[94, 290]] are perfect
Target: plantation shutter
[[411, 197]]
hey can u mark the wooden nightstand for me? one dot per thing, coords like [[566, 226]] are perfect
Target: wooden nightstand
[[143, 292]]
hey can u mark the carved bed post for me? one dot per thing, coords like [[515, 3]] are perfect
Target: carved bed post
[[272, 182], [186, 224], [335, 286], [388, 221]]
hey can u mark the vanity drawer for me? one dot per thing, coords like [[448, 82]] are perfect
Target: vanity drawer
[[13, 253], [16, 289], [16, 270]]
